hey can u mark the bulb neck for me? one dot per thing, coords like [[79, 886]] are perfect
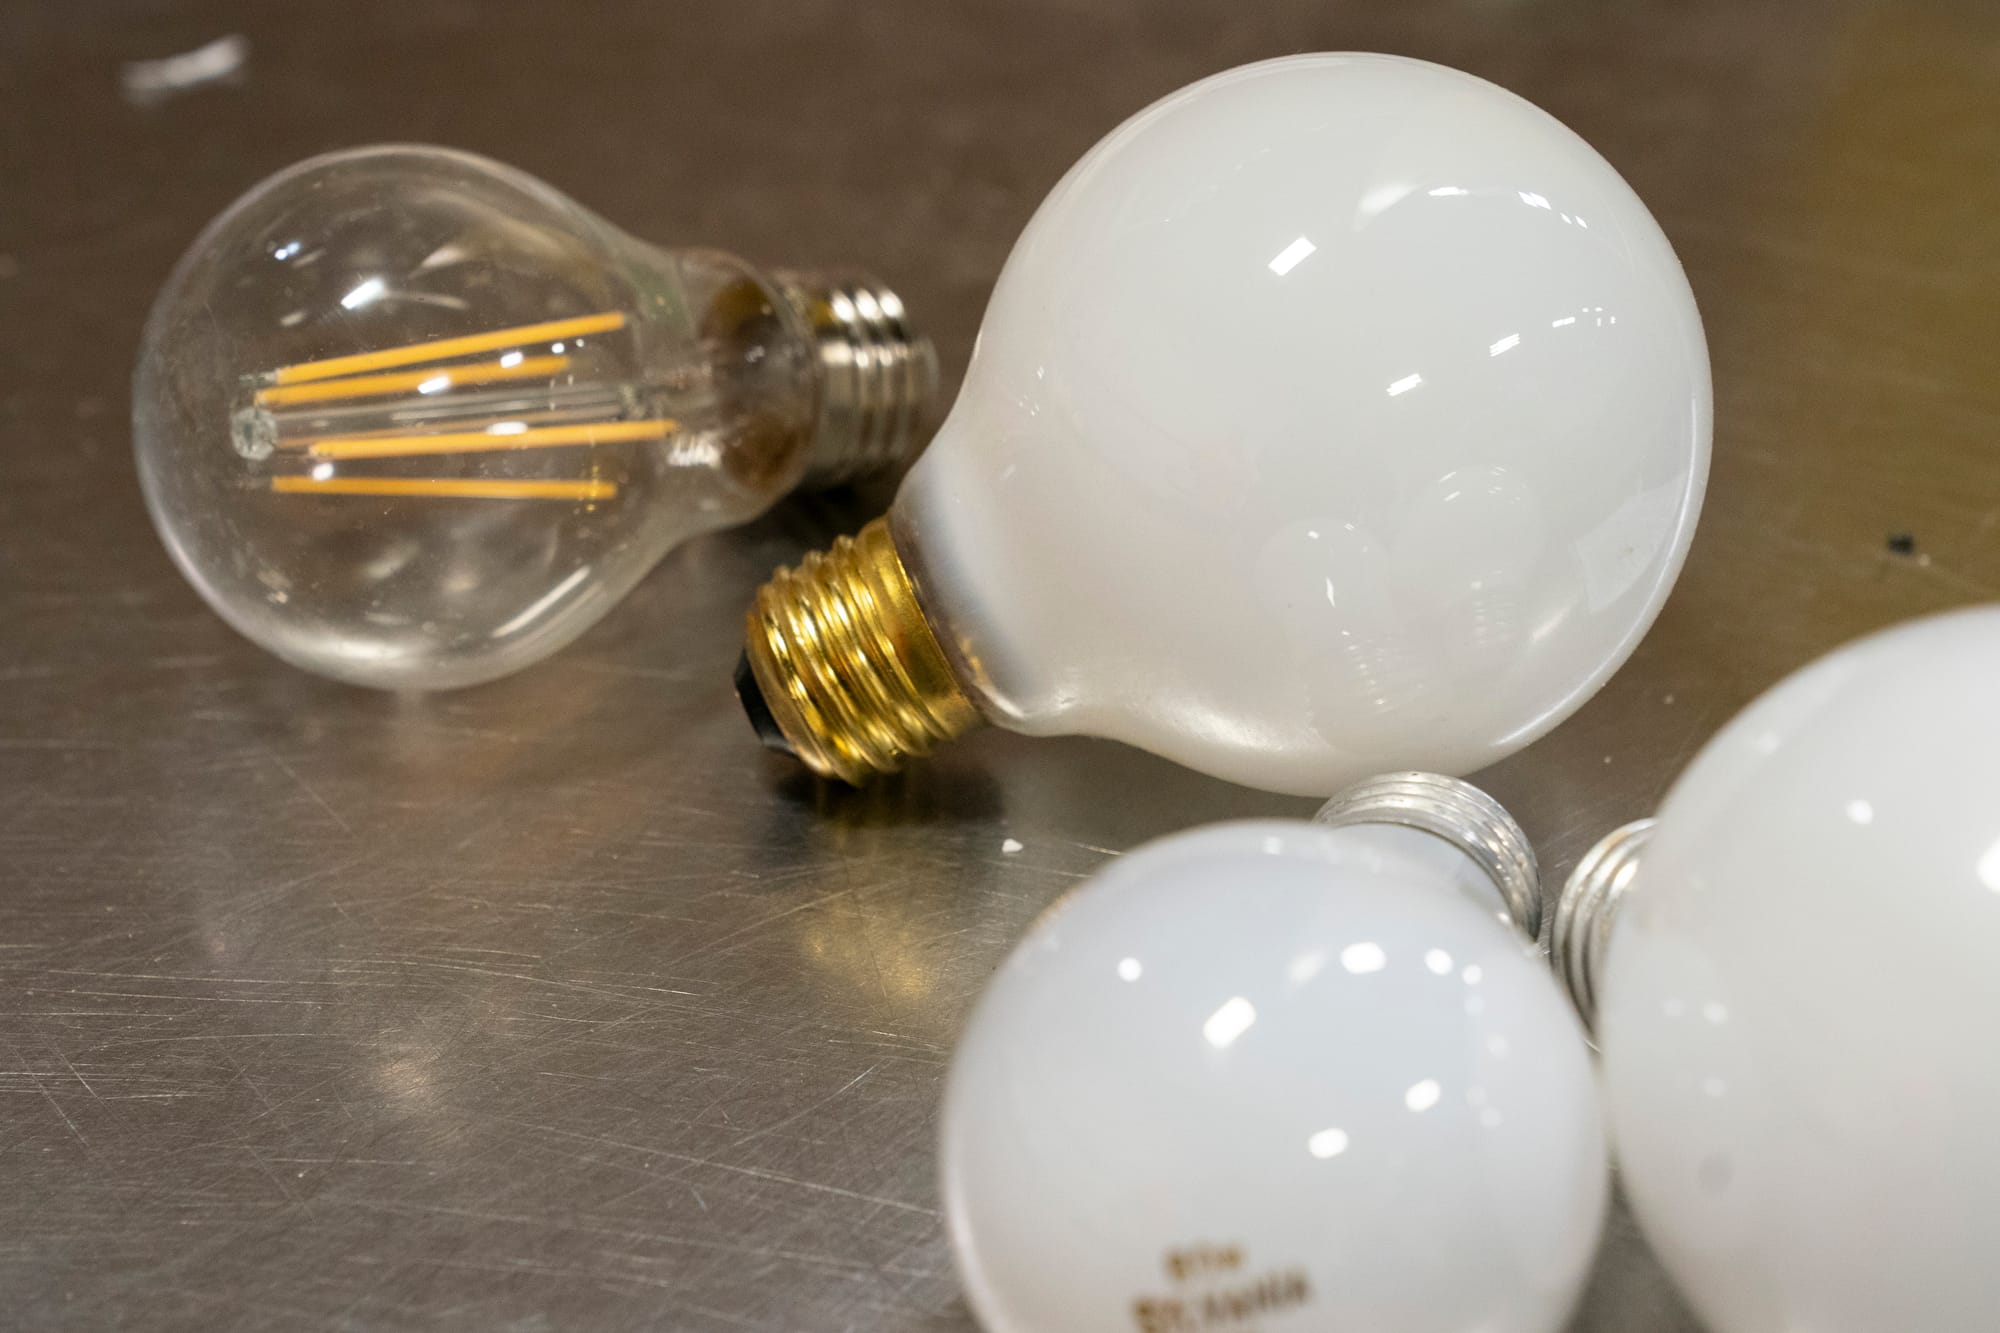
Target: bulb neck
[[878, 377], [1462, 815], [1587, 909], [842, 669]]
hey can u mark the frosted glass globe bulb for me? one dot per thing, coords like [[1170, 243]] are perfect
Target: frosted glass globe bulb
[[410, 418], [1286, 1075], [1793, 977], [1335, 414]]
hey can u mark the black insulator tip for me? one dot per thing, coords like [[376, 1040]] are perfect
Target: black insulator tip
[[759, 712]]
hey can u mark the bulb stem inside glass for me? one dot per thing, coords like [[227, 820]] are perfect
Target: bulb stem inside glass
[[1462, 815], [1588, 908], [842, 668]]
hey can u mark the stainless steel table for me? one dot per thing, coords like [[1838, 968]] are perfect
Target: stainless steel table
[[556, 1003]]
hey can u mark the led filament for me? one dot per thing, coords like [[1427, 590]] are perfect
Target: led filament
[[297, 414], [368, 343]]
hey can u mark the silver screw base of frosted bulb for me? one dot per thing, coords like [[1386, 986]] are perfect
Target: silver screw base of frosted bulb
[[1584, 913], [1463, 816], [878, 376]]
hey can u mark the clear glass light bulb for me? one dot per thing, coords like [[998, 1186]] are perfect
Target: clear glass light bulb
[[410, 418], [1336, 413], [1282, 1075], [1794, 982]]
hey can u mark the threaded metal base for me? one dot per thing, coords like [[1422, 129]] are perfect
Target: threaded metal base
[[843, 666], [879, 377], [1463, 816], [1588, 906]]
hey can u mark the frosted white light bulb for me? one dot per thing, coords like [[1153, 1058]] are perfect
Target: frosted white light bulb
[[1334, 414], [1281, 1075], [410, 418], [1796, 977]]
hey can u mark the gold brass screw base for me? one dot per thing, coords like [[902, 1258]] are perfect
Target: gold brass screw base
[[840, 667]]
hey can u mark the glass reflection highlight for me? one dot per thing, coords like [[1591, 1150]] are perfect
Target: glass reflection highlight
[[1989, 867], [1327, 1143], [366, 291], [1363, 958], [1229, 1022], [1291, 256]]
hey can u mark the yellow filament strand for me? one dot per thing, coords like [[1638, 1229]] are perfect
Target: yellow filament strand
[[457, 490], [472, 442], [446, 348], [305, 442], [375, 386]]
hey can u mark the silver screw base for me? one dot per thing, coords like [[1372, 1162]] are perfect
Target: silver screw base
[[1586, 909], [879, 377], [1463, 816]]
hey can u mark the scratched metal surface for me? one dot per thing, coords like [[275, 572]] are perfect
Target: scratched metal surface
[[556, 1003]]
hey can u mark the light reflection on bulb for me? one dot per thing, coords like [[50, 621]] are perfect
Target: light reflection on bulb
[[409, 418], [1793, 975], [1364, 957], [1229, 1022], [1235, 1096], [1327, 1143], [1240, 474]]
